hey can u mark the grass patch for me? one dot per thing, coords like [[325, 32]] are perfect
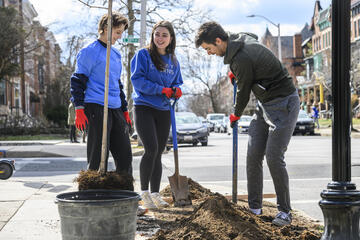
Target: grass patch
[[327, 122], [32, 137]]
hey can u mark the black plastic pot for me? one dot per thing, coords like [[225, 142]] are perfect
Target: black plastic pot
[[98, 214]]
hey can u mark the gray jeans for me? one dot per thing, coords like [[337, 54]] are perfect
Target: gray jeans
[[269, 135]]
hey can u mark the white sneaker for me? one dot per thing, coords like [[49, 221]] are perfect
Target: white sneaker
[[256, 211], [147, 201], [282, 219], [157, 199]]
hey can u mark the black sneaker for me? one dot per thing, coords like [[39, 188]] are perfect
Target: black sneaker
[[282, 219]]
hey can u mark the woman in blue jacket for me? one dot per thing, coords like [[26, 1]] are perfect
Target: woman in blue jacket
[[155, 72], [87, 90]]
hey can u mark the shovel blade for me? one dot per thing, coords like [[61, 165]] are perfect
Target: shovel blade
[[180, 189]]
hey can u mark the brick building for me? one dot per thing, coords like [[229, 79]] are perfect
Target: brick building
[[316, 86], [41, 61], [292, 55]]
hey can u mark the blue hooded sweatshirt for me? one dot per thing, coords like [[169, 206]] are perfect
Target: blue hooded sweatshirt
[[148, 81], [88, 80]]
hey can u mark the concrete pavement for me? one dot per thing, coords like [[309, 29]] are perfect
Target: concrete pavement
[[27, 208], [50, 148]]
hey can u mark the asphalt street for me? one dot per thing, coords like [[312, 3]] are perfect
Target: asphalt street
[[308, 161]]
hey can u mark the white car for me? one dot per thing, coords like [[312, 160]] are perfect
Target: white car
[[243, 124], [214, 118]]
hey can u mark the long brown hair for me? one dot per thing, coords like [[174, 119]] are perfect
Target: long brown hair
[[170, 49]]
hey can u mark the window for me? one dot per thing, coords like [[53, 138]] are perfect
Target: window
[[323, 37], [2, 92], [355, 30], [17, 95], [41, 76]]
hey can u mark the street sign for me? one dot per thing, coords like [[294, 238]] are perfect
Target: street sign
[[131, 40]]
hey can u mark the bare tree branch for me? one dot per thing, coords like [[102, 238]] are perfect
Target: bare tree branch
[[91, 6]]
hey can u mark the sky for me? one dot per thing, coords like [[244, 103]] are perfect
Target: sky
[[231, 14]]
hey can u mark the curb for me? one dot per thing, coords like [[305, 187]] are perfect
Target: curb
[[40, 154]]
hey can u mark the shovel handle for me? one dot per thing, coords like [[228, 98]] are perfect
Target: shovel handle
[[174, 135], [235, 159]]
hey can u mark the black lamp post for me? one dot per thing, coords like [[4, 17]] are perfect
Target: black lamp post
[[341, 201]]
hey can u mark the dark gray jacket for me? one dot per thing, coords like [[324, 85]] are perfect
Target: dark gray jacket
[[256, 69]]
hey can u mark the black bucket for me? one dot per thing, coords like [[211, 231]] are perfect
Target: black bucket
[[98, 214]]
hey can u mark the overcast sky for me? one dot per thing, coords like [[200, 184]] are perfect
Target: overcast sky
[[232, 14]]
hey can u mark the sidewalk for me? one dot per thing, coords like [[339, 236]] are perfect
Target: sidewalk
[[27, 208], [50, 148], [328, 132]]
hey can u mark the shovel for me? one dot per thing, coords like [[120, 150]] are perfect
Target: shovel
[[179, 184], [235, 155]]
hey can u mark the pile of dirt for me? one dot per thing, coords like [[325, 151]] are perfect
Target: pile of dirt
[[91, 179], [196, 191], [213, 217]]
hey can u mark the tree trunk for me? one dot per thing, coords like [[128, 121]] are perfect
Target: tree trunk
[[131, 53]]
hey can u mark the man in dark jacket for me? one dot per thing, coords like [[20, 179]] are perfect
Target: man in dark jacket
[[258, 70]]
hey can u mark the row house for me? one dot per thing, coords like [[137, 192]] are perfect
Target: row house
[[41, 61], [317, 51], [316, 85]]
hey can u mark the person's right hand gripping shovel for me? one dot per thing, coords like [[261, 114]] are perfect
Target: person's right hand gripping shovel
[[179, 184]]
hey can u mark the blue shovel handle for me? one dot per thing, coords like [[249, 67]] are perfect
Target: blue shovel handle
[[235, 155], [174, 135], [173, 123]]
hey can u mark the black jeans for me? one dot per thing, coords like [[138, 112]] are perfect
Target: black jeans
[[118, 141], [72, 133], [153, 128]]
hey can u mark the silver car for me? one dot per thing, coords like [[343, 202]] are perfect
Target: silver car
[[190, 129]]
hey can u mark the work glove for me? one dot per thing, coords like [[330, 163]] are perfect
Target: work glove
[[178, 92], [233, 119], [168, 92], [81, 120], [127, 118], [232, 77]]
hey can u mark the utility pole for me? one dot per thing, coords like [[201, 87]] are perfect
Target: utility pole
[[143, 24], [22, 60]]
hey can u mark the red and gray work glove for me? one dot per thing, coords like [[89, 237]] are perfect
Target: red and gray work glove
[[81, 120], [233, 119], [127, 118], [232, 77], [168, 92], [178, 92]]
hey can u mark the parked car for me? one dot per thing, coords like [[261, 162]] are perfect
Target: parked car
[[214, 118], [243, 124], [190, 129], [222, 126], [304, 124], [205, 122]]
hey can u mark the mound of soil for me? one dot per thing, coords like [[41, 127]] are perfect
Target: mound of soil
[[196, 191], [91, 179], [213, 217]]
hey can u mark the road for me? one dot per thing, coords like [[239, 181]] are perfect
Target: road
[[308, 161]]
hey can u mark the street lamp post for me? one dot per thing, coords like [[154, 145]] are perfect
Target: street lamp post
[[340, 202], [279, 37]]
